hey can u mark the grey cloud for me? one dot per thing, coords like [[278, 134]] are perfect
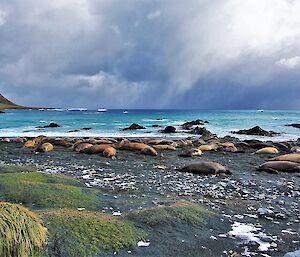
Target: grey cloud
[[150, 54]]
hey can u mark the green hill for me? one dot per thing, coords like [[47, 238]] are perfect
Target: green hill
[[6, 104]]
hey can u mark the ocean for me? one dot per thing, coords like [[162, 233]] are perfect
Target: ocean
[[109, 124]]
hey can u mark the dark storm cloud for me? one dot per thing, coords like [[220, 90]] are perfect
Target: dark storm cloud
[[150, 54]]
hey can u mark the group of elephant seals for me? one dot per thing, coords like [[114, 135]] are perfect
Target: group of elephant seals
[[206, 168]]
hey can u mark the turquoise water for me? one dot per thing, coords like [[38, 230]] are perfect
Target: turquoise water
[[109, 124]]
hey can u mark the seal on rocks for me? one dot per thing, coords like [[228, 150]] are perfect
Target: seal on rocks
[[110, 152], [295, 149], [149, 150], [210, 147], [292, 157], [191, 153], [29, 144], [95, 149], [267, 150], [164, 147], [78, 147], [276, 166], [206, 168], [44, 148]]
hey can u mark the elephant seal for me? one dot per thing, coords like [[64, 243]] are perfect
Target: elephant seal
[[132, 146], [110, 152], [295, 149], [191, 153], [210, 147], [95, 149], [276, 166], [78, 147], [292, 157], [29, 144], [267, 150], [149, 150], [44, 147], [206, 168], [164, 147]]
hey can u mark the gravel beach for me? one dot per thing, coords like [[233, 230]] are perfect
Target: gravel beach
[[262, 207]]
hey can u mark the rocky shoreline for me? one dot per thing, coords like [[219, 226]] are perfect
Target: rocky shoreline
[[257, 212]]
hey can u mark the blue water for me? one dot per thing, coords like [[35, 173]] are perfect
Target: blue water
[[109, 124]]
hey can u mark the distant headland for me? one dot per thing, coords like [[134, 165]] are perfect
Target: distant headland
[[7, 104]]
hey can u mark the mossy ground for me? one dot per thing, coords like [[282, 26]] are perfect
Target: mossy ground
[[70, 232], [39, 190], [13, 168], [179, 212], [85, 233]]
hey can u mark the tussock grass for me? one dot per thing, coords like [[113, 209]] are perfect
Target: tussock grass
[[179, 212], [21, 231], [43, 190], [84, 233]]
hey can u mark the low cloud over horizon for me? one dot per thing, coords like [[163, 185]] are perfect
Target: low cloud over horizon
[[206, 54]]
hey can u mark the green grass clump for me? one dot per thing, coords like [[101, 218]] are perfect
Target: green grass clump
[[84, 233], [179, 212], [44, 190], [14, 169], [21, 231]]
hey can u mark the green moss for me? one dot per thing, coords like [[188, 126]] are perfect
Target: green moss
[[43, 190], [83, 233], [21, 231], [14, 169], [179, 212]]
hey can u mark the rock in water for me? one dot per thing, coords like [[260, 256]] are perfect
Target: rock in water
[[205, 168], [294, 125], [169, 129], [133, 126], [51, 125], [256, 131], [189, 124]]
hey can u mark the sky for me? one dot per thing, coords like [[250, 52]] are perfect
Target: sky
[[203, 54]]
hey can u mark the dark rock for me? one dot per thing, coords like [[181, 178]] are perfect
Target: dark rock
[[2, 112], [294, 125], [156, 126], [133, 126], [75, 130], [201, 131], [168, 129], [51, 125], [256, 131], [189, 124], [86, 128]]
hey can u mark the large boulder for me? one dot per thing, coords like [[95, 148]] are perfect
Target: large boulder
[[50, 125], [189, 124], [133, 126], [168, 129], [256, 131]]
